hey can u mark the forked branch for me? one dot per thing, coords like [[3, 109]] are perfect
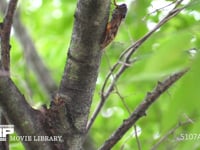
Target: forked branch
[[140, 111], [125, 57]]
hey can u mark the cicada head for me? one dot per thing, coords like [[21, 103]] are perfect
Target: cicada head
[[120, 11]]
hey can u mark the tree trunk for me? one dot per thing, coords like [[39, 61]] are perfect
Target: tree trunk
[[81, 71], [69, 109]]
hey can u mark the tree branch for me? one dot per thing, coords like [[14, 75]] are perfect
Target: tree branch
[[129, 111], [4, 145], [15, 108], [170, 132], [81, 70], [27, 121], [140, 111], [5, 29], [125, 58], [30, 51]]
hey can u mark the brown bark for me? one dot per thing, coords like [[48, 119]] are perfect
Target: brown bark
[[69, 110], [27, 121], [81, 70]]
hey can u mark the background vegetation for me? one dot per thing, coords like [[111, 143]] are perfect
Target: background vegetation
[[173, 47]]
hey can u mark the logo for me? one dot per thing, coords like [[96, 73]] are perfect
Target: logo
[[5, 130]]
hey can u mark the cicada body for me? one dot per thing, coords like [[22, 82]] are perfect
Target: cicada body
[[112, 27]]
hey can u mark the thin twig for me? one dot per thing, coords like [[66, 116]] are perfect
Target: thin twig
[[140, 111], [125, 57], [129, 111], [170, 132], [5, 30], [178, 3], [158, 9], [31, 56]]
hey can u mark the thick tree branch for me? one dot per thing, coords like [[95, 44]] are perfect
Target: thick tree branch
[[140, 111], [5, 29], [125, 57], [73, 100], [71, 105], [26, 120], [4, 145], [15, 108]]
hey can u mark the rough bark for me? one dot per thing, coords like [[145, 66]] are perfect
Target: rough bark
[[27, 121], [81, 70], [69, 110], [3, 145]]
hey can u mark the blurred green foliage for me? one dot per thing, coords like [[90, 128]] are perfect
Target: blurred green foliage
[[173, 47]]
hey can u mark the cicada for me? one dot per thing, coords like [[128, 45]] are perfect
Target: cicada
[[112, 27]]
